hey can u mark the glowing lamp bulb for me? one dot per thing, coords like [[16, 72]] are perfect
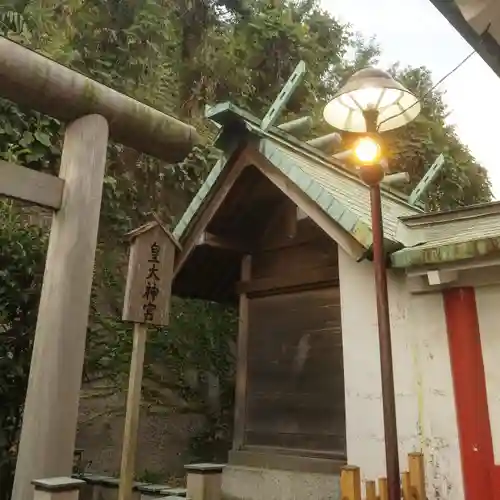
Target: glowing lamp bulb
[[367, 150]]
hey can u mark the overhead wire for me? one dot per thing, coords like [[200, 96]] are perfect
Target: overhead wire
[[458, 66]]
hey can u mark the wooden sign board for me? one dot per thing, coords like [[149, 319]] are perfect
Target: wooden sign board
[[149, 276]]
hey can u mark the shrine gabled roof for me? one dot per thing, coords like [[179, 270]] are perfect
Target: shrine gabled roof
[[345, 199], [335, 189], [414, 238]]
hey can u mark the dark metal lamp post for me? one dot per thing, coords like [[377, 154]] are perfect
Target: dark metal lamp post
[[369, 103]]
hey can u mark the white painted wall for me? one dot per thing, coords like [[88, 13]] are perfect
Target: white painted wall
[[488, 302], [424, 391]]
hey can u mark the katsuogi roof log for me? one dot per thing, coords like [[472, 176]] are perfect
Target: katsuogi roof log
[[39, 83]]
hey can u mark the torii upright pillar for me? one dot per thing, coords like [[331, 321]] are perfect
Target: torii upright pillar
[[51, 411]]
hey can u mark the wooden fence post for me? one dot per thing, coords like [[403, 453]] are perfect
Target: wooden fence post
[[371, 490], [350, 483], [147, 302], [51, 410], [406, 486], [417, 475], [382, 489], [413, 482], [127, 469], [57, 488]]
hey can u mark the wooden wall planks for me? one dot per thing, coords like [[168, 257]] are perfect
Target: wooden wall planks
[[295, 387]]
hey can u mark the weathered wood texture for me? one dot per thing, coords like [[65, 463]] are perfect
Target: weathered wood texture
[[295, 381], [27, 184], [39, 83], [309, 257], [242, 358], [295, 387], [127, 470], [51, 410], [204, 268], [308, 206], [200, 224], [149, 278]]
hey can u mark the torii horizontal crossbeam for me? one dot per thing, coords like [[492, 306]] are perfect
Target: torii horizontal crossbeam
[[29, 185], [36, 82]]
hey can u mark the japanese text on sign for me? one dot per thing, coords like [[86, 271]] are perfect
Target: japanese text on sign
[[151, 286]]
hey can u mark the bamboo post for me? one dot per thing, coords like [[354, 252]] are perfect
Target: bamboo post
[[406, 486], [417, 475], [51, 409], [371, 490], [350, 483], [147, 302], [382, 489]]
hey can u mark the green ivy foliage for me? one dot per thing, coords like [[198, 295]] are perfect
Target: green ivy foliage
[[29, 138], [22, 255]]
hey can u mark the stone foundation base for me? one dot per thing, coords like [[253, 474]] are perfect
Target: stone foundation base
[[244, 482]]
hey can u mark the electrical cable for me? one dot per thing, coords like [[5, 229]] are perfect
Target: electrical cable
[[429, 91], [483, 34]]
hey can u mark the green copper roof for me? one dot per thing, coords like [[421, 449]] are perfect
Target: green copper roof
[[336, 190], [199, 198], [293, 168], [461, 234], [344, 197], [451, 250]]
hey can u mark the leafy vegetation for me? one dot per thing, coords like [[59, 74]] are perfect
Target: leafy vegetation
[[180, 55], [22, 255]]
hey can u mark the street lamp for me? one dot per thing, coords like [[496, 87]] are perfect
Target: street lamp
[[371, 102]]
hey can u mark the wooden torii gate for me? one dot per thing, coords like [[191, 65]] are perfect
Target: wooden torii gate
[[93, 112]]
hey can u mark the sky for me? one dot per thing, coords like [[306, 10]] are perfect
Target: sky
[[415, 33]]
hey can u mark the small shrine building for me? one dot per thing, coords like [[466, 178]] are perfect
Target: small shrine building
[[284, 232]]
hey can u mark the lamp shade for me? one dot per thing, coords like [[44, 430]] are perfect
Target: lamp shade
[[371, 89]]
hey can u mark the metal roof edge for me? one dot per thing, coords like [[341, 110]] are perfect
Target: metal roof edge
[[198, 200], [461, 213], [203, 194], [442, 254]]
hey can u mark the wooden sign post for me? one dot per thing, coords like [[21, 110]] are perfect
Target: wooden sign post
[[147, 302]]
